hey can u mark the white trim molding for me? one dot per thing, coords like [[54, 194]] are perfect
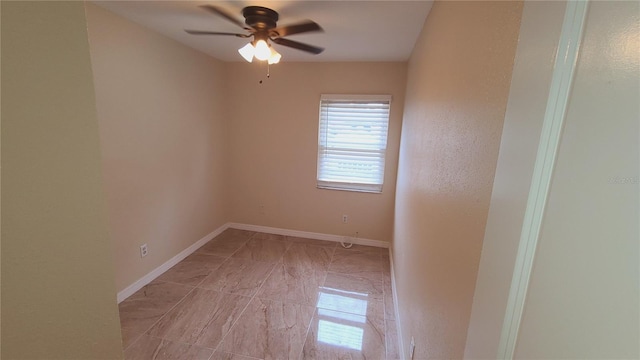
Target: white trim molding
[[140, 283], [561, 84], [310, 235]]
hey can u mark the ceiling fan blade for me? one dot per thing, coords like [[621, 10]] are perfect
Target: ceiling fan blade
[[199, 32], [305, 26], [224, 14], [298, 45]]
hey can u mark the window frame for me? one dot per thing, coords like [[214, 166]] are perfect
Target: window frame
[[329, 184]]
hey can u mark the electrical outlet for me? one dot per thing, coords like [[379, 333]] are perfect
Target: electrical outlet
[[345, 219], [412, 347], [143, 250]]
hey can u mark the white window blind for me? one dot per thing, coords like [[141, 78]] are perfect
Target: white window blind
[[352, 141]]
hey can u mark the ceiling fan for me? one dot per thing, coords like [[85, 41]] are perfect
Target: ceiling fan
[[261, 24]]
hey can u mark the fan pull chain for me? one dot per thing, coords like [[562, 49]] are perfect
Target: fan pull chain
[[268, 74]]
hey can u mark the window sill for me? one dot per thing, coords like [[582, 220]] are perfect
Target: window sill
[[350, 187]]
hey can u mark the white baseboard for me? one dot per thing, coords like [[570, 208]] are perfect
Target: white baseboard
[[396, 309], [140, 283], [310, 235]]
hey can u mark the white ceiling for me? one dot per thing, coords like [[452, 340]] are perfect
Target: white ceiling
[[353, 30]]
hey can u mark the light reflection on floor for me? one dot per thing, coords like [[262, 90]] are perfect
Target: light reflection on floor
[[341, 317]]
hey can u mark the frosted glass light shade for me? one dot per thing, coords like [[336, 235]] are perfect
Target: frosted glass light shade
[[275, 56], [262, 51], [247, 52]]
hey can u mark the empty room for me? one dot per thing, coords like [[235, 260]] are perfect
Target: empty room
[[320, 180]]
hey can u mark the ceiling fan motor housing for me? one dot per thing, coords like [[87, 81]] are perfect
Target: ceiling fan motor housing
[[260, 18]]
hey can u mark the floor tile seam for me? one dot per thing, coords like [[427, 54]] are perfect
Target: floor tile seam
[[231, 327], [302, 268], [357, 257], [156, 281], [392, 305], [133, 342], [278, 240], [284, 239], [355, 253], [244, 310], [313, 246], [261, 261], [273, 264], [373, 322], [308, 326], [169, 310], [315, 311], [211, 271], [285, 301], [306, 333], [275, 327], [238, 249], [310, 319], [200, 332], [206, 276], [354, 272], [233, 353], [200, 253], [346, 312], [224, 292], [384, 324], [350, 274], [305, 267], [331, 258], [179, 342], [160, 318], [249, 259], [232, 239], [206, 326], [205, 252], [384, 298], [179, 283]]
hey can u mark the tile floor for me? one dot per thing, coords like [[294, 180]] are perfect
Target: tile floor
[[247, 295]]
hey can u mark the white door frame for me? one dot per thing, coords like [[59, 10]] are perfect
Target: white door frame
[[561, 85]]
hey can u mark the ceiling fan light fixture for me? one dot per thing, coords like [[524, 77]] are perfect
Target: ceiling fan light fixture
[[263, 52], [275, 56], [247, 52], [260, 24]]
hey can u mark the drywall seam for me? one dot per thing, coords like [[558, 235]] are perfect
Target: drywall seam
[[310, 235], [561, 81], [149, 277]]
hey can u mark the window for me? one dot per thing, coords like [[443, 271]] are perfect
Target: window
[[352, 142]]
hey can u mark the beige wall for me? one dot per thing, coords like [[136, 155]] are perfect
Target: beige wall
[[273, 152], [458, 82], [582, 301], [537, 45], [58, 294], [163, 136]]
